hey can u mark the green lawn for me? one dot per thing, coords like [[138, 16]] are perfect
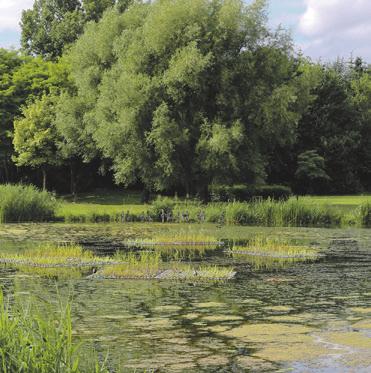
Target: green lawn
[[102, 202], [346, 203], [339, 200]]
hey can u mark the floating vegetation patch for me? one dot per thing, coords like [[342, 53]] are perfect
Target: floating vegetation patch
[[268, 253], [55, 272], [350, 339], [267, 262], [148, 265], [53, 256], [188, 272], [275, 248], [269, 339], [144, 265], [195, 241], [361, 310], [363, 324]]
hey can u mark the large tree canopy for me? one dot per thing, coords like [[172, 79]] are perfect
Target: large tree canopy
[[51, 25], [184, 93]]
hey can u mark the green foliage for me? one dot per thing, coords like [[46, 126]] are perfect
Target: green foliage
[[51, 26], [332, 127], [311, 171], [22, 81], [35, 136], [20, 203], [179, 94], [35, 340], [224, 193], [162, 204]]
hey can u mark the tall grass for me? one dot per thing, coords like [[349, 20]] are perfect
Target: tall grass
[[365, 214], [24, 203], [292, 213], [35, 343]]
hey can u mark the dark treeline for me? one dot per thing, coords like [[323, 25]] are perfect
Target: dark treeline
[[176, 96]]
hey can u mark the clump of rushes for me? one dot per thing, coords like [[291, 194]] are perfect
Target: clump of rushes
[[49, 255], [148, 265], [263, 246], [37, 342]]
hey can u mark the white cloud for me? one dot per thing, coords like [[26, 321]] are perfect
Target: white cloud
[[335, 28], [10, 13]]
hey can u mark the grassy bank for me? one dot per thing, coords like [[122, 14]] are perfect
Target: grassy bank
[[301, 212], [19, 203], [35, 341]]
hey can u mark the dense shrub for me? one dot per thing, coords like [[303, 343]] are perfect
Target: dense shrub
[[166, 204], [25, 203], [225, 193]]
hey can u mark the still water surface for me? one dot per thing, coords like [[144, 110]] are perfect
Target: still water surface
[[301, 317]]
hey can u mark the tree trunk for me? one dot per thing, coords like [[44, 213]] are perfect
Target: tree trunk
[[73, 185], [44, 178], [6, 171]]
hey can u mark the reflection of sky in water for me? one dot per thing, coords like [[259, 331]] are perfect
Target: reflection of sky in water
[[261, 321]]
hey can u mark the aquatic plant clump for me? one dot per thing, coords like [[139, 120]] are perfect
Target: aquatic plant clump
[[179, 241], [188, 272], [275, 248], [25, 203], [148, 265], [265, 262], [37, 342], [55, 256]]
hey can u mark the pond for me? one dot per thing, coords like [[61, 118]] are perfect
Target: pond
[[274, 316]]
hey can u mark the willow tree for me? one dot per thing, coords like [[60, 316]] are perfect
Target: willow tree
[[182, 93]]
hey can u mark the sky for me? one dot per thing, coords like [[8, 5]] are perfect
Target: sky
[[322, 29]]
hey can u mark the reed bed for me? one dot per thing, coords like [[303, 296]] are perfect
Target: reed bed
[[33, 341], [25, 203]]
